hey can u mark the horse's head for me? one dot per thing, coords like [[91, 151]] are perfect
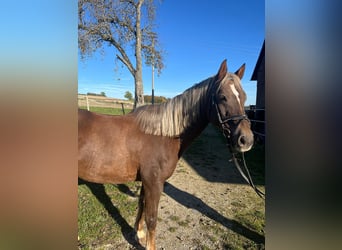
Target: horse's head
[[227, 108]]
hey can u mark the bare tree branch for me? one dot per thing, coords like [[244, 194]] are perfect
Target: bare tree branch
[[118, 23], [129, 66]]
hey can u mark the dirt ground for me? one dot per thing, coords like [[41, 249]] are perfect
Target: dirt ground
[[206, 204]]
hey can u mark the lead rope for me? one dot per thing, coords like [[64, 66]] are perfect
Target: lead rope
[[226, 134], [248, 178]]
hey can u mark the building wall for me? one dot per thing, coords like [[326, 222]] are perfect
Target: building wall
[[260, 98], [257, 113]]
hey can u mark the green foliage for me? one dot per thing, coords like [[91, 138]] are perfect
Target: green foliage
[[95, 94], [128, 95], [157, 99]]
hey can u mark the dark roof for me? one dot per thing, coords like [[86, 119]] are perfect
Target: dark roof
[[259, 61]]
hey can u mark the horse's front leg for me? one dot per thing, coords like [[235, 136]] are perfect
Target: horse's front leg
[[139, 222], [152, 197]]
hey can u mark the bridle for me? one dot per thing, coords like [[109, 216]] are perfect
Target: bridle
[[224, 125], [225, 121]]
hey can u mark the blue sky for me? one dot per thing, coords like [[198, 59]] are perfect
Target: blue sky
[[196, 36]]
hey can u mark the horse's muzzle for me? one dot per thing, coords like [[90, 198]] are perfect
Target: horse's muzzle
[[242, 138], [245, 142]]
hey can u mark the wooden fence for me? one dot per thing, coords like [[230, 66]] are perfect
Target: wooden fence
[[257, 118], [102, 101]]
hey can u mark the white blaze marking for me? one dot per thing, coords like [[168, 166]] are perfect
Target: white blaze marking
[[235, 92]]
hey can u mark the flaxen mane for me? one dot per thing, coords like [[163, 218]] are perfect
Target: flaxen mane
[[173, 117]]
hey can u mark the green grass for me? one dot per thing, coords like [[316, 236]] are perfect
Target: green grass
[[101, 210], [107, 111], [255, 160], [252, 219], [172, 229]]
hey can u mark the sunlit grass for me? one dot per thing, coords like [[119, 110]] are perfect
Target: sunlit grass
[[106, 110]]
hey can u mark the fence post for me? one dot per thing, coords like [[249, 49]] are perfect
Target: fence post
[[87, 102], [123, 109], [257, 119]]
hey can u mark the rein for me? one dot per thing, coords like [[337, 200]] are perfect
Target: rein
[[226, 132], [248, 178]]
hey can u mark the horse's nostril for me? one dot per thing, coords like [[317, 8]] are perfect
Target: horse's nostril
[[242, 141]]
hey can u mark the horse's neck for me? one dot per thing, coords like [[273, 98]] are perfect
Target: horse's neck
[[194, 129], [191, 133]]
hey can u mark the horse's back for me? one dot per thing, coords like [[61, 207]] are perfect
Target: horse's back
[[113, 149], [82, 114], [103, 155]]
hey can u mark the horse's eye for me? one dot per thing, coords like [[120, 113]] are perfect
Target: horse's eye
[[223, 98]]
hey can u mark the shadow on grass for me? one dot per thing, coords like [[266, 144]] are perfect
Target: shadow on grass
[[193, 202], [178, 195], [209, 156], [99, 192]]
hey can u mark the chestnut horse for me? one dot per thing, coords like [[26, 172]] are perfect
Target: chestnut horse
[[146, 144]]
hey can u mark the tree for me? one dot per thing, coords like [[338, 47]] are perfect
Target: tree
[[157, 99], [118, 23], [129, 96]]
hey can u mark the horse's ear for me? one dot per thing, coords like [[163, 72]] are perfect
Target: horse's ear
[[222, 71], [241, 71]]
